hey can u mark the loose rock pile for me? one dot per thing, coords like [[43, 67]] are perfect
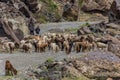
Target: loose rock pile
[[94, 65]]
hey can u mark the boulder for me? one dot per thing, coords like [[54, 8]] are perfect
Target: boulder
[[70, 11], [14, 20]]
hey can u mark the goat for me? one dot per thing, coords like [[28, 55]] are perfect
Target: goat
[[9, 69]]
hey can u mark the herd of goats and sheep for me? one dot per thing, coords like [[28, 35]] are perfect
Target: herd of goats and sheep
[[56, 42]]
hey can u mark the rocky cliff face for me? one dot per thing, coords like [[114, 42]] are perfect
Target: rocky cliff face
[[61, 10], [16, 14], [15, 19], [72, 10], [97, 9]]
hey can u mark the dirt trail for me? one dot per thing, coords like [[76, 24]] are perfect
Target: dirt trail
[[61, 25]]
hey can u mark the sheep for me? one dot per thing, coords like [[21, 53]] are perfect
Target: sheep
[[5, 46], [54, 47], [45, 38], [22, 42], [8, 46], [12, 46], [101, 45]]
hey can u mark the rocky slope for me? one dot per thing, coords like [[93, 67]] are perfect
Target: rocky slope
[[15, 16], [54, 11], [82, 66], [64, 10], [97, 65], [72, 10], [88, 66], [17, 13]]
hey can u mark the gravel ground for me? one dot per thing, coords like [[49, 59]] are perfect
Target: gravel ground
[[22, 61]]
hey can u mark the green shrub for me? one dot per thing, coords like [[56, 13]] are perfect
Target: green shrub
[[84, 25], [49, 60]]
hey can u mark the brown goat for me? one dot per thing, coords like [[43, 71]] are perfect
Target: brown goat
[[77, 47], [67, 47], [41, 46], [83, 46], [9, 69], [27, 47], [86, 46]]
